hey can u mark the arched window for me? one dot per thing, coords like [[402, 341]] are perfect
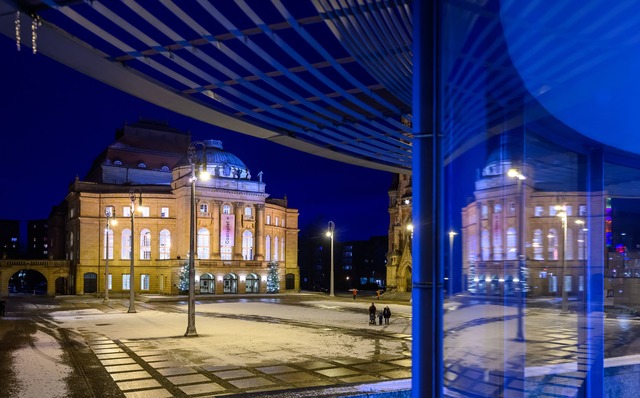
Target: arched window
[[497, 244], [230, 283], [569, 245], [165, 244], [282, 249], [142, 165], [203, 244], [275, 249], [582, 244], [204, 207], [248, 211], [247, 245], [485, 243], [108, 243], [537, 245], [226, 209], [145, 244], [252, 284], [267, 245], [125, 252], [512, 239], [552, 244]]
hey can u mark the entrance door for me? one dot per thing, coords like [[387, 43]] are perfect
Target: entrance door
[[90, 282]]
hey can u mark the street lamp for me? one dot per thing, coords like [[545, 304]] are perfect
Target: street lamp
[[132, 283], [563, 216], [514, 173], [108, 212], [330, 233], [451, 235], [199, 161]]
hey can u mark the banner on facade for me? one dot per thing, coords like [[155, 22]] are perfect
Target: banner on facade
[[227, 229]]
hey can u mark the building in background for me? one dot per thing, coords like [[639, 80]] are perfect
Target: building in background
[[399, 264], [38, 239], [9, 239], [239, 229]]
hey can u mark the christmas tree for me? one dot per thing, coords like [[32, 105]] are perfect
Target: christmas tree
[[273, 280], [183, 285]]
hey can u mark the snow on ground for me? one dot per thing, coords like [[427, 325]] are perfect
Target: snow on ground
[[225, 338], [47, 379]]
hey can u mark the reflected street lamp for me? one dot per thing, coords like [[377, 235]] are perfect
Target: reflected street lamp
[[452, 234], [132, 280], [330, 233], [109, 213], [198, 161], [514, 173], [563, 216]]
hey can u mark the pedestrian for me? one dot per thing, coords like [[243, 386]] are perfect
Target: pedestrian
[[386, 312], [378, 293], [3, 304], [355, 293], [380, 317], [372, 314]]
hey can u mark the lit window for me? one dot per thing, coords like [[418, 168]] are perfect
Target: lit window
[[145, 244], [267, 255], [497, 208], [552, 210], [125, 253], [247, 211], [275, 249], [283, 222], [164, 212], [485, 211], [225, 253], [204, 207], [247, 245], [203, 244], [144, 282], [268, 220], [539, 211], [276, 221], [126, 281], [142, 165], [118, 162], [582, 210], [165, 244], [109, 282], [226, 209], [126, 211], [144, 211], [108, 243], [569, 210], [164, 168]]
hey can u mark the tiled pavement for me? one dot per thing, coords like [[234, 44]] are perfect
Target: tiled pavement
[[143, 373]]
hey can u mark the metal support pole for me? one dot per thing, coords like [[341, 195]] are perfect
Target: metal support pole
[[191, 323], [132, 284], [330, 233]]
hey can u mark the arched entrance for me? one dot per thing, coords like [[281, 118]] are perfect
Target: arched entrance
[[253, 284], [28, 281], [207, 284], [90, 282], [230, 283], [404, 280]]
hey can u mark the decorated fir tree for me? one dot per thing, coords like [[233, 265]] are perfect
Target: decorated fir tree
[[183, 285], [273, 280]]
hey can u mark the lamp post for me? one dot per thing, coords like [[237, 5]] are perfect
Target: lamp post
[[330, 233], [196, 161], [132, 284], [108, 212], [583, 230], [514, 173], [452, 234], [563, 216]]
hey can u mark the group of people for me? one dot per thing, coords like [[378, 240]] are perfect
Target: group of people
[[385, 313]]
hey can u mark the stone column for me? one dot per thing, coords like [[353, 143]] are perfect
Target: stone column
[[239, 211], [215, 221], [259, 243]]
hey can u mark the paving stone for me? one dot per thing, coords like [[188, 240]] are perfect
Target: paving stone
[[251, 383], [276, 369], [350, 361], [315, 365], [402, 362], [120, 361], [155, 358], [107, 351], [141, 374], [176, 371], [123, 368], [137, 384], [197, 389], [188, 379], [373, 367], [337, 372], [113, 356], [233, 374], [397, 374], [296, 377], [164, 364], [155, 393], [360, 379], [215, 368]]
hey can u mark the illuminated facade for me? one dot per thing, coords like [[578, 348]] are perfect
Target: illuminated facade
[[400, 231], [239, 229]]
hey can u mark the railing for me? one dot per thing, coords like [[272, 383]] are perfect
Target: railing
[[31, 263]]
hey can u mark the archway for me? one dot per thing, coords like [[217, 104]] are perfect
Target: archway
[[28, 281], [207, 284], [253, 284], [230, 283]]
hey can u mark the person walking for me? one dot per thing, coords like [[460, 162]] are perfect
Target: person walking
[[380, 318], [386, 312], [3, 304], [372, 314], [355, 293], [378, 293]]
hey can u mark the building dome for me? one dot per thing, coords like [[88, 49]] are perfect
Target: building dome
[[219, 162]]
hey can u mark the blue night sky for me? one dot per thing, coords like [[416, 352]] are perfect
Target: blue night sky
[[55, 121]]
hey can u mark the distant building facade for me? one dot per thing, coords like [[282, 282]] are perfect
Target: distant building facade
[[9, 239], [239, 229], [399, 264], [38, 239]]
